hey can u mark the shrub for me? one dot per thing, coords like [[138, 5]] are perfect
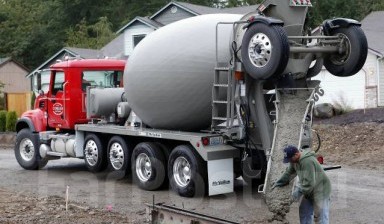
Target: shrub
[[3, 116], [11, 120], [342, 105]]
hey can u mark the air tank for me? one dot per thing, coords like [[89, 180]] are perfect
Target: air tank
[[169, 76]]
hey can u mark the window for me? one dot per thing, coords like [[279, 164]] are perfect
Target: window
[[137, 39], [105, 79], [58, 82]]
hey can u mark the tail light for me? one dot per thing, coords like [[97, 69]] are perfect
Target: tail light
[[214, 140]]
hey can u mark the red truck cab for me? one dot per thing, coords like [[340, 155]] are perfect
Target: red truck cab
[[63, 105]]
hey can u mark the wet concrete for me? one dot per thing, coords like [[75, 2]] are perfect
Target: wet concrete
[[357, 195], [292, 107]]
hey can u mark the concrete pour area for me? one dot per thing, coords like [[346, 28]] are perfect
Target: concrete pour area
[[353, 140]]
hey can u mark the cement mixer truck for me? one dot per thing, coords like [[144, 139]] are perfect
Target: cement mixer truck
[[196, 107]]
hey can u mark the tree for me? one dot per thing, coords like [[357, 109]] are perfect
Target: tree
[[90, 36]]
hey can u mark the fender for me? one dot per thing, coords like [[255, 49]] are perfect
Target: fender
[[265, 20], [329, 25], [32, 119]]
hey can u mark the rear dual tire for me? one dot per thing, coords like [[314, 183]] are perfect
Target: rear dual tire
[[148, 166], [187, 172]]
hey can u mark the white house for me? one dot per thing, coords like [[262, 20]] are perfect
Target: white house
[[366, 88], [139, 27]]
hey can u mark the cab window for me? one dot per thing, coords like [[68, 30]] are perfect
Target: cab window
[[58, 82], [105, 79]]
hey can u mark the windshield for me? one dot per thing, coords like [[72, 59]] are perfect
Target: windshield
[[104, 79]]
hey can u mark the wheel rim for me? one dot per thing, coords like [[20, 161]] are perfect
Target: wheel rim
[[143, 167], [91, 152], [27, 149], [116, 156], [260, 50], [343, 56], [182, 171]]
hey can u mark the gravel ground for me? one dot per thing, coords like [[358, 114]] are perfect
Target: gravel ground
[[352, 140]]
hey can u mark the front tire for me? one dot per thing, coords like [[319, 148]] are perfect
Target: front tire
[[187, 172], [356, 49], [95, 157], [27, 150], [148, 166], [265, 50]]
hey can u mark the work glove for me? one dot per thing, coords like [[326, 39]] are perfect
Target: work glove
[[297, 193]]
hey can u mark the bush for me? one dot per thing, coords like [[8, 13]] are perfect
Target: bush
[[11, 120], [3, 117], [342, 105]]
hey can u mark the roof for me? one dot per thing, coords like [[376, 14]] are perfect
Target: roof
[[191, 8], [144, 20], [373, 27], [240, 10], [114, 48], [85, 53], [4, 61], [72, 51]]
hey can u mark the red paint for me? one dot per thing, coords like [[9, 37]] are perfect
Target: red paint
[[64, 106]]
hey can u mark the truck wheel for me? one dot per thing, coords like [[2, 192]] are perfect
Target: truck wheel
[[94, 154], [187, 172], [355, 52], [119, 156], [254, 172], [27, 150], [148, 166], [265, 50]]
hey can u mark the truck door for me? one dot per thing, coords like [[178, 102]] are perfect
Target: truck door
[[56, 100]]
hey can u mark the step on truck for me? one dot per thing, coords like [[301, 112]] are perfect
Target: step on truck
[[194, 106]]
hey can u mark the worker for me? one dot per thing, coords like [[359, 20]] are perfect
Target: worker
[[314, 187]]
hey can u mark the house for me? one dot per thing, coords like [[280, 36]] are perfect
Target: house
[[366, 88], [132, 33], [139, 27], [16, 93], [66, 52]]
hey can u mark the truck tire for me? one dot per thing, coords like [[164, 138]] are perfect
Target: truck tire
[[350, 62], [187, 172], [95, 155], [27, 150], [148, 166], [265, 50], [254, 172], [119, 156]]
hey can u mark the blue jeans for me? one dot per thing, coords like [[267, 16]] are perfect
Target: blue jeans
[[310, 211]]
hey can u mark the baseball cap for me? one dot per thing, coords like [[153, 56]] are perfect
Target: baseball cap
[[289, 152]]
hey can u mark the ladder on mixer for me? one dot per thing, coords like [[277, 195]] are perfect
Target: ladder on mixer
[[223, 113]]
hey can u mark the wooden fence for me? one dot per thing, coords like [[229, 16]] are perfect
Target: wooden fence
[[19, 102]]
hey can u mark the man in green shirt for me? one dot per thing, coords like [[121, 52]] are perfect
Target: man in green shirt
[[314, 184]]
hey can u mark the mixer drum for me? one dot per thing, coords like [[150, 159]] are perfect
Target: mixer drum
[[169, 76]]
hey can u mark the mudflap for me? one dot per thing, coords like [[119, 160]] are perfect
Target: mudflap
[[220, 176]]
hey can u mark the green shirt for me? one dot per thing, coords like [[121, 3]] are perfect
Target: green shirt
[[314, 182]]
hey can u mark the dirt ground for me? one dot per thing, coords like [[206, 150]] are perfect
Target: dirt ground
[[352, 140]]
